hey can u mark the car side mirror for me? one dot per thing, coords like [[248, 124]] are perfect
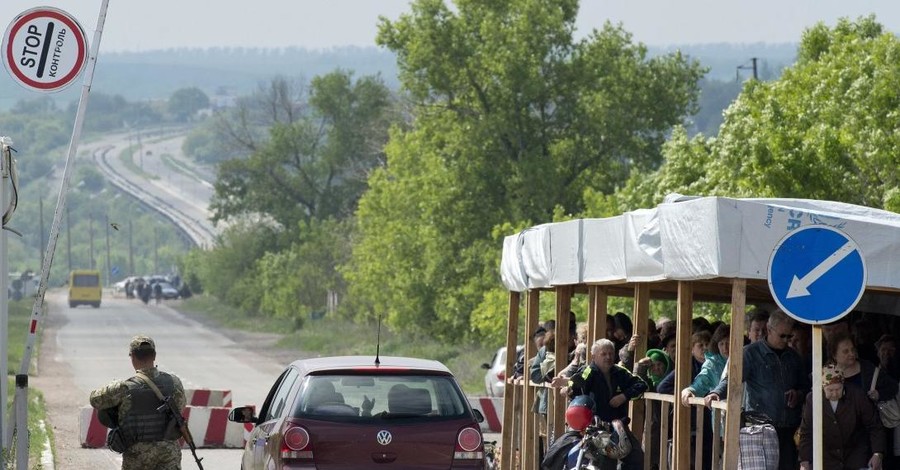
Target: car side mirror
[[242, 414], [478, 416], [485, 366]]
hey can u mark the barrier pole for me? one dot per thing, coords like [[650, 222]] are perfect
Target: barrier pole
[[38, 307], [5, 183], [21, 407]]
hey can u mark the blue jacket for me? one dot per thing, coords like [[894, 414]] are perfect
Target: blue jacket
[[710, 375], [534, 373], [767, 377], [589, 381]]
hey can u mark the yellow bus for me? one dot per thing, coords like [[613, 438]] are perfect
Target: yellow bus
[[84, 288]]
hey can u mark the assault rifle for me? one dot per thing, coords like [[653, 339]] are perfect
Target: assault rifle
[[182, 426], [176, 415]]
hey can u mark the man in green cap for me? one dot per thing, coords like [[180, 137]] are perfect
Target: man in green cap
[[147, 429]]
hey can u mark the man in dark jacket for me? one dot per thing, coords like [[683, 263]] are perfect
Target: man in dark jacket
[[610, 387], [774, 383]]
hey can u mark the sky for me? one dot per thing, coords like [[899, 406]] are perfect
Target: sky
[[140, 25]]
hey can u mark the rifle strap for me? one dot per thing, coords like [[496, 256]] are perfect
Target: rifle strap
[[147, 380]]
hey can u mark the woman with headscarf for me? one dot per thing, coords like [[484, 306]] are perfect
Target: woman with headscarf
[[652, 369], [852, 434]]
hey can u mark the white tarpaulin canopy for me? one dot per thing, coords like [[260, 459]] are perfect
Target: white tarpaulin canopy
[[692, 238]]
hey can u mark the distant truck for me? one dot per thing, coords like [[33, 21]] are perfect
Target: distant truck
[[84, 288]]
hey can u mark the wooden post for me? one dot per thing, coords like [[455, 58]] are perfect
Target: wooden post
[[735, 373], [640, 316], [698, 441], [528, 449], [664, 425], [558, 411], [682, 429], [597, 300], [509, 394]]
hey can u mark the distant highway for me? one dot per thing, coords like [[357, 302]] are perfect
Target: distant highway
[[163, 179]]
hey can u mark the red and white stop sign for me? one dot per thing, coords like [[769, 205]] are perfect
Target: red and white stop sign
[[45, 49]]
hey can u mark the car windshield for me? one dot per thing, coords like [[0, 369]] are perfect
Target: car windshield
[[371, 398]]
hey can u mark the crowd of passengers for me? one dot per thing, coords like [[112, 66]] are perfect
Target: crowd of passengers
[[861, 370]]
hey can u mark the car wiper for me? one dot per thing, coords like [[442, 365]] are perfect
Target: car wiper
[[389, 415]]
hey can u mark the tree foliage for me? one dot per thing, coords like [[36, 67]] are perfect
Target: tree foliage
[[513, 119], [825, 130], [185, 102], [316, 160], [298, 280]]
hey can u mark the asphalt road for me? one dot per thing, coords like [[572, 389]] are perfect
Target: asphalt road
[[84, 348], [165, 178]]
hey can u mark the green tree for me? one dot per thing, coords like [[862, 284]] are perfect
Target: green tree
[[185, 102], [299, 280], [314, 166], [825, 130], [513, 119], [205, 145], [230, 272]]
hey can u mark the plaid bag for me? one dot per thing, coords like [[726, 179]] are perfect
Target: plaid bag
[[758, 448]]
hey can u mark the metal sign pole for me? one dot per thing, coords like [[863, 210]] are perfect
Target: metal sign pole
[[818, 449], [38, 307], [4, 293]]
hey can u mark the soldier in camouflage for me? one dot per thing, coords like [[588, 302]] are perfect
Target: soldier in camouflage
[[151, 435]]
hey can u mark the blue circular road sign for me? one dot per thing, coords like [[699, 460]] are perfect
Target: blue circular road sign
[[817, 274]]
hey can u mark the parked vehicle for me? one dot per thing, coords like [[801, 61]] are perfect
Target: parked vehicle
[[495, 377], [168, 292], [356, 412], [84, 288]]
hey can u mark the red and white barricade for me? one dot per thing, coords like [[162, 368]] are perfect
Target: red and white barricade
[[209, 427], [492, 409], [207, 397], [93, 434]]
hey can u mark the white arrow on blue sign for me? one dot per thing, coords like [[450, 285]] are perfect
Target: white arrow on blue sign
[[817, 274]]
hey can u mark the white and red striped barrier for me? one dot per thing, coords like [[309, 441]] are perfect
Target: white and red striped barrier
[[93, 434], [207, 397], [209, 427], [492, 409]]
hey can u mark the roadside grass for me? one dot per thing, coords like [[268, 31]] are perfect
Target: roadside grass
[[127, 159], [179, 167], [19, 319], [231, 317], [333, 337]]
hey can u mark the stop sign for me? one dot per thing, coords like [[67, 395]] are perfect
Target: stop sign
[[44, 49]]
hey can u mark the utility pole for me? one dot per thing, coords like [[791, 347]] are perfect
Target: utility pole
[[155, 250], [91, 234], [752, 66], [68, 238], [108, 267], [41, 217], [130, 250]]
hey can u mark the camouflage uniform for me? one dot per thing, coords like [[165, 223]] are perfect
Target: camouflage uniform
[[157, 455]]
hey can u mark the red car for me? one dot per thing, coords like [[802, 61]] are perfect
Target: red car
[[359, 412]]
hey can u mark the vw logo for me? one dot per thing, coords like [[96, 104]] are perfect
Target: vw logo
[[384, 437]]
